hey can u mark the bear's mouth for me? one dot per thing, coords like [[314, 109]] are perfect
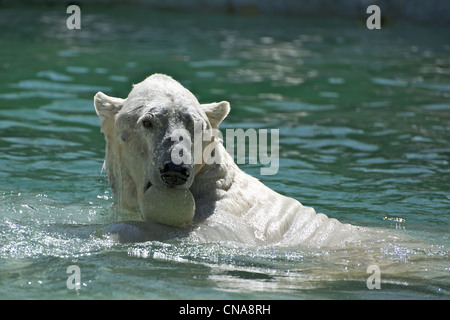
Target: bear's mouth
[[147, 186]]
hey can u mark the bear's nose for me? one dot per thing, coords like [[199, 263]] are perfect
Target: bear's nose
[[174, 174]]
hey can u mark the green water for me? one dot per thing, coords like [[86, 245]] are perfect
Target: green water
[[364, 120]]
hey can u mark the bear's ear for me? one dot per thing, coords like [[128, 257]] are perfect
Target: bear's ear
[[216, 112], [107, 107]]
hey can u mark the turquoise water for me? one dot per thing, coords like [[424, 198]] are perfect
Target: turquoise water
[[364, 120]]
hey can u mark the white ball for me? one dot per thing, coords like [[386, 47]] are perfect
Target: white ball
[[172, 207]]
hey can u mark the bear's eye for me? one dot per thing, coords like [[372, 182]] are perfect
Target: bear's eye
[[147, 124]]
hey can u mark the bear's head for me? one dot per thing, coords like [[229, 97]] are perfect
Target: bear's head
[[152, 138]]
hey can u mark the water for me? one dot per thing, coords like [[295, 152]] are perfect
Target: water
[[364, 120]]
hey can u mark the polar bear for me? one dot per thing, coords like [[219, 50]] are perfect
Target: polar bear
[[222, 202]]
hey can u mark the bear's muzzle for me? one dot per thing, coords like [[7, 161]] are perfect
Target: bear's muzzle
[[174, 174]]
